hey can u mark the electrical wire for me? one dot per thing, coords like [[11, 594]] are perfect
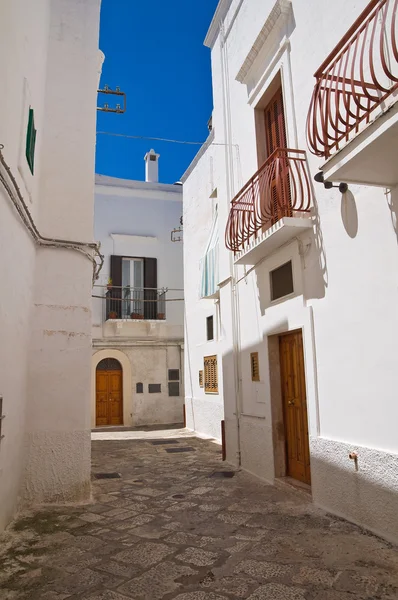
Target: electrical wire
[[143, 137], [159, 139], [15, 195]]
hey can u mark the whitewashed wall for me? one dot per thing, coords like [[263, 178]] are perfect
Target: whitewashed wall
[[51, 48], [204, 412], [346, 292]]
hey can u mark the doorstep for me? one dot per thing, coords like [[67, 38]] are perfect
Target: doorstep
[[285, 483]]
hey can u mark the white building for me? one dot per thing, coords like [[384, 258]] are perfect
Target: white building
[[138, 310], [303, 286], [49, 75]]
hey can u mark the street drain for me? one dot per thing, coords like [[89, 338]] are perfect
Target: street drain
[[178, 496], [163, 442], [227, 474], [107, 475], [173, 450]]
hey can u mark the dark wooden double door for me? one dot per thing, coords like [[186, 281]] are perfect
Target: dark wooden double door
[[295, 406]]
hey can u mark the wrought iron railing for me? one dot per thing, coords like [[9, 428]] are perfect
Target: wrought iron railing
[[280, 188], [357, 77], [128, 302]]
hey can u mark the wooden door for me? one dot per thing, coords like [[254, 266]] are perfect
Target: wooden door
[[275, 136], [109, 398], [295, 406]]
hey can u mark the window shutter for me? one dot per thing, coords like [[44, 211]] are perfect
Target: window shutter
[[115, 294], [255, 368], [275, 128], [211, 374], [150, 285]]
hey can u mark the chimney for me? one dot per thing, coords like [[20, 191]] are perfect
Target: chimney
[[151, 166]]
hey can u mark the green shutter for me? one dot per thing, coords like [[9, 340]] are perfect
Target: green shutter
[[31, 141]]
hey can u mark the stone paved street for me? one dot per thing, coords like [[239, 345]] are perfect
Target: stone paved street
[[168, 529]]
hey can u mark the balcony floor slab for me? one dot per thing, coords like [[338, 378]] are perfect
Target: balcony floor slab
[[279, 234]]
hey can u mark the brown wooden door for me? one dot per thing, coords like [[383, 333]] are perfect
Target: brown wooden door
[[109, 399], [275, 137], [295, 406]]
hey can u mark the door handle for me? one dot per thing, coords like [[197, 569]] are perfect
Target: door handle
[[290, 402]]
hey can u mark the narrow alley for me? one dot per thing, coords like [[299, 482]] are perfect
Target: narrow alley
[[177, 523]]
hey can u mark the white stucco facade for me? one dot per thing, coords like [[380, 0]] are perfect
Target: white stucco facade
[[134, 221], [345, 293], [45, 316]]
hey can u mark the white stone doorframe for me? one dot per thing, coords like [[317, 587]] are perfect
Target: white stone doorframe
[[127, 385]]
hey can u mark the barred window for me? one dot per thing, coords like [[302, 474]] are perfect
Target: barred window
[[211, 374], [200, 378]]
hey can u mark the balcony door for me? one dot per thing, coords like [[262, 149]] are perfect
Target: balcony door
[[132, 287], [277, 198]]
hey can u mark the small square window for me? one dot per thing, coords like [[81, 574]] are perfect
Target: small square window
[[174, 375], [139, 388], [31, 141], [210, 328], [154, 388], [211, 374], [282, 281], [174, 388]]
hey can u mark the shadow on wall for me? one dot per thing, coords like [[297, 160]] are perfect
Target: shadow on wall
[[365, 493], [392, 201], [349, 213]]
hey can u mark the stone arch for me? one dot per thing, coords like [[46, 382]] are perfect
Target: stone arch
[[127, 386]]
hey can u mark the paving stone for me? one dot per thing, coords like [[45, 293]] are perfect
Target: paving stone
[[277, 591], [157, 582], [262, 570], [146, 554], [198, 557], [199, 596], [308, 575]]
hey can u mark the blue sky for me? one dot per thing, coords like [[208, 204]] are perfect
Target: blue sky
[[154, 52]]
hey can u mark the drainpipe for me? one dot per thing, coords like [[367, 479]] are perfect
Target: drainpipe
[[230, 193]]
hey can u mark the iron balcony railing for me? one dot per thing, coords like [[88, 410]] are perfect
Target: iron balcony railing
[[280, 188], [128, 302], [357, 77]]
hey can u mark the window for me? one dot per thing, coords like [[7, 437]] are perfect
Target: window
[[174, 375], [200, 378], [174, 388], [174, 382], [210, 328], [139, 388], [255, 369], [211, 374], [31, 141], [134, 288], [154, 388], [282, 281]]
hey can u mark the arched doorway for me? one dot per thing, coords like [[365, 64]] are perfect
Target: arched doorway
[[109, 393]]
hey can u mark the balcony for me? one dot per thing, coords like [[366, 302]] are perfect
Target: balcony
[[273, 207], [132, 303], [353, 116]]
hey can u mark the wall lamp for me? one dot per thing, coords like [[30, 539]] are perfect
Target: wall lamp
[[319, 178]]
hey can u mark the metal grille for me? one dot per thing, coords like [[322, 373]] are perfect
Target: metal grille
[[200, 378], [255, 368], [211, 374], [109, 364]]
